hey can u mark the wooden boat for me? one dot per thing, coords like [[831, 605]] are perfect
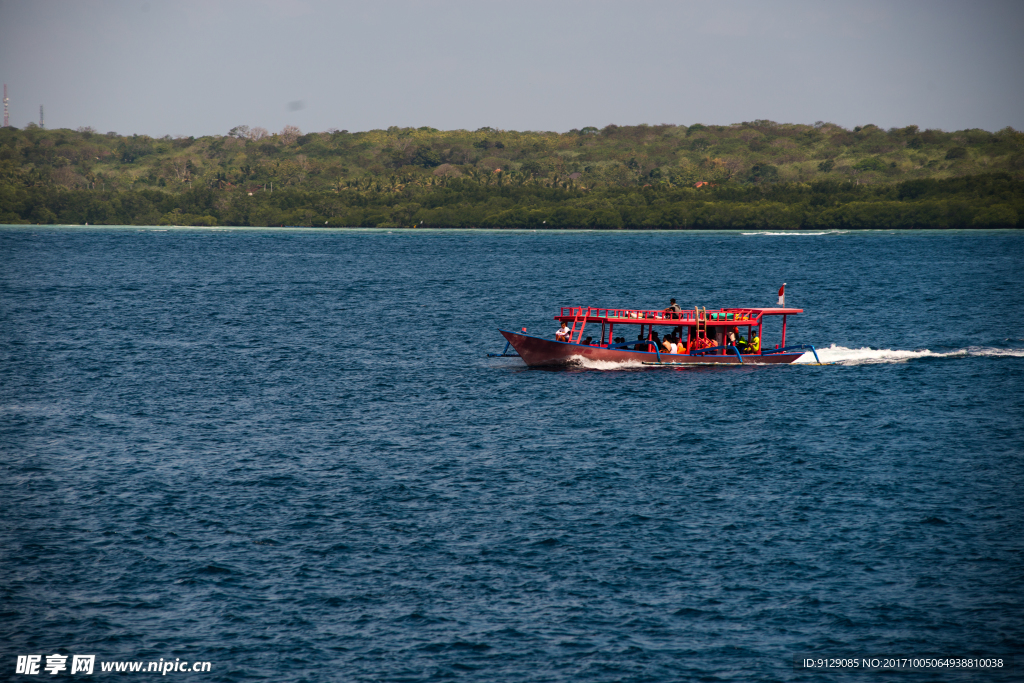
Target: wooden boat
[[702, 336]]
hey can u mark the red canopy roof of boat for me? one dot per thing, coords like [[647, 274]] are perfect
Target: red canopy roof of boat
[[634, 316], [775, 311]]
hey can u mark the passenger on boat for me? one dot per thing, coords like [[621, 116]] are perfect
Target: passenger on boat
[[586, 342], [672, 309], [754, 345], [641, 345], [563, 333], [731, 339]]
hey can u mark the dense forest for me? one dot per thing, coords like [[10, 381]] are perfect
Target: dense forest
[[757, 174]]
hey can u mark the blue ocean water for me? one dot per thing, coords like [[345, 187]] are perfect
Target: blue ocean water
[[285, 452]]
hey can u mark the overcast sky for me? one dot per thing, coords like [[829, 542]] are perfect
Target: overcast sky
[[200, 67]]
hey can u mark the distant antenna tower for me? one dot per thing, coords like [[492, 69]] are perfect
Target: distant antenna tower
[[41, 124], [7, 118]]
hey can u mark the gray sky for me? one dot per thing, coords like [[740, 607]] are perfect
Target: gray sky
[[199, 67]]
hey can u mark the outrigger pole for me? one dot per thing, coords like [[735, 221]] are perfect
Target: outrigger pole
[[505, 353]]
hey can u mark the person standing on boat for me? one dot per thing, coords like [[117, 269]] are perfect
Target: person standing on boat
[[731, 339], [563, 333]]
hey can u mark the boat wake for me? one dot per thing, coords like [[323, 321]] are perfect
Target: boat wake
[[799, 232], [591, 364], [837, 355], [844, 356]]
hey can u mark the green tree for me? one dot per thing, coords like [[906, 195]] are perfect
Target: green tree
[[427, 158], [870, 164], [764, 173]]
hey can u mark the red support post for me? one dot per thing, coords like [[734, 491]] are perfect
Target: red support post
[[579, 337]]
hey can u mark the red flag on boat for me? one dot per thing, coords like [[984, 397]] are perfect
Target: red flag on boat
[[524, 329], [782, 294]]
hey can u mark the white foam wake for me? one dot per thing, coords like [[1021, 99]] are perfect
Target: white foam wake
[[798, 232], [845, 356], [591, 364], [832, 354]]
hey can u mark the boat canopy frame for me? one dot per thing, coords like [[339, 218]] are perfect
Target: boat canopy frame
[[700, 317]]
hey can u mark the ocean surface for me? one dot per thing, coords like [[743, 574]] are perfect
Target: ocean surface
[[286, 453]]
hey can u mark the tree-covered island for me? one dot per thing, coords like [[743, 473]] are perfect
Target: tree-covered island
[[756, 174]]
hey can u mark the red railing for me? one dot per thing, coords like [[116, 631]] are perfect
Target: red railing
[[591, 314]]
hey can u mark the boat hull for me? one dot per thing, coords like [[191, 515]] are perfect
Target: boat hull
[[538, 352]]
